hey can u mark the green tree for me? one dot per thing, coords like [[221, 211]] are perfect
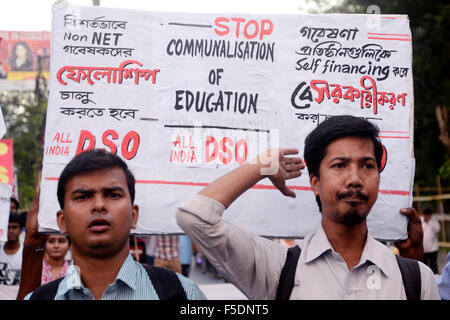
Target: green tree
[[24, 113]]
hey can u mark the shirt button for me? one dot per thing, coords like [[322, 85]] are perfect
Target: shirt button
[[349, 292]]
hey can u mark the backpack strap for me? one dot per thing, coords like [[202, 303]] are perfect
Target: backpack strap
[[286, 283], [46, 291], [412, 282], [409, 269], [166, 283]]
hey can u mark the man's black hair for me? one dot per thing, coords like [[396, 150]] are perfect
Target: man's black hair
[[334, 128], [92, 160], [15, 217], [15, 201]]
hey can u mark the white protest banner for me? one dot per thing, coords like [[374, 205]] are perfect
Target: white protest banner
[[5, 196], [2, 123], [185, 98], [6, 184]]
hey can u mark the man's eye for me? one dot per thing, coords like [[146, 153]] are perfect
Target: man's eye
[[338, 165], [114, 195]]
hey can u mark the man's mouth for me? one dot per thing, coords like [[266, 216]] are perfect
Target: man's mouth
[[99, 225]]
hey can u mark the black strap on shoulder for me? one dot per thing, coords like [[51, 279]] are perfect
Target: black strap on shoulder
[[287, 276], [166, 283], [412, 282], [46, 291], [409, 269]]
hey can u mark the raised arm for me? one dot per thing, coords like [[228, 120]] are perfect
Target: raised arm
[[253, 264], [33, 252], [273, 164]]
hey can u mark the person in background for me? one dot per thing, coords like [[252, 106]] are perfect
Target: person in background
[[431, 228], [11, 252], [186, 254], [14, 205], [54, 264], [167, 253], [21, 57], [150, 248]]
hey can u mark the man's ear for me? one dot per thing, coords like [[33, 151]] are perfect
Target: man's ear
[[314, 181], [134, 216], [61, 221]]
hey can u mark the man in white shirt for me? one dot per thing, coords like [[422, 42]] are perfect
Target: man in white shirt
[[338, 261], [11, 252], [431, 228]]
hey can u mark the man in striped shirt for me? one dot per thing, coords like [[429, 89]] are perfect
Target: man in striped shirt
[[96, 195]]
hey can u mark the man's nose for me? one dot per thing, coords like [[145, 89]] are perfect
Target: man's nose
[[99, 203], [354, 177]]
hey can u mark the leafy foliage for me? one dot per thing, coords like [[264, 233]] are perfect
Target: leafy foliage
[[24, 114]]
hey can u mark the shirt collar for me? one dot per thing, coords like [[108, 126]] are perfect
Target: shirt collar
[[374, 251], [318, 245], [128, 272], [379, 255], [72, 279]]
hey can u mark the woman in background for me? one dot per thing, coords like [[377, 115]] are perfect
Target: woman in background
[[21, 57], [55, 265]]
